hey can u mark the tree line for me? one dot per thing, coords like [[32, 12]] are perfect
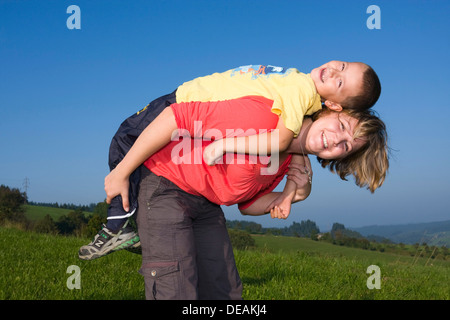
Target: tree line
[[341, 236], [76, 223], [297, 229], [70, 206], [12, 212]]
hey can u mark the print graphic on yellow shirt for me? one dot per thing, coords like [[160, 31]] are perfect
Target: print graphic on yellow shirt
[[293, 92]]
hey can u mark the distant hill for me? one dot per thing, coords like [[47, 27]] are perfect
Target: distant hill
[[433, 233], [34, 212]]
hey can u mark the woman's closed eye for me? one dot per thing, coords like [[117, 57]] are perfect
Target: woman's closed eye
[[346, 147]]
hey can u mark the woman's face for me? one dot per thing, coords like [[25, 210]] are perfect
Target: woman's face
[[331, 136]]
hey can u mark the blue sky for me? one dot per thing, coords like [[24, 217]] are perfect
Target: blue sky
[[63, 93]]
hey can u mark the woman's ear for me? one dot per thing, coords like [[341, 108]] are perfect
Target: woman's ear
[[333, 105]]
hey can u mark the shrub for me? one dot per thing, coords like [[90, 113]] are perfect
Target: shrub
[[241, 240], [46, 225]]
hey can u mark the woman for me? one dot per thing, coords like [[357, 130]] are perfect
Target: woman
[[185, 246]]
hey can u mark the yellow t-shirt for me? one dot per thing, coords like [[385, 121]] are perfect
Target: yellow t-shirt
[[293, 92]]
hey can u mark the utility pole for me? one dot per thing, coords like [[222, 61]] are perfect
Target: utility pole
[[26, 184]]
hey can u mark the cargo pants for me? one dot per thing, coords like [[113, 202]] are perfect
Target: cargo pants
[[186, 250]]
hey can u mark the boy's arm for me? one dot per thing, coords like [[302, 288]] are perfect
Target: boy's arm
[[259, 144], [157, 134]]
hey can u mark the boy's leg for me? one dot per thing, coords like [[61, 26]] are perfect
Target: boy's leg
[[121, 143], [106, 241]]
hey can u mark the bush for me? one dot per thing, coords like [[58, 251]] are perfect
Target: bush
[[11, 205], [94, 225], [241, 240], [46, 225], [72, 224]]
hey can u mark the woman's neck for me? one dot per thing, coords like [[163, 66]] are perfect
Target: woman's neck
[[298, 144]]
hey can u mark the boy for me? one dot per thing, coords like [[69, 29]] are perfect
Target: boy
[[336, 84]]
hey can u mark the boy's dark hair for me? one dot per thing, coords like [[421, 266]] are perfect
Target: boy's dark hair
[[371, 90]]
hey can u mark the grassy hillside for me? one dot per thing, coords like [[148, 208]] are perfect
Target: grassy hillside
[[408, 254], [34, 266], [318, 270], [35, 213]]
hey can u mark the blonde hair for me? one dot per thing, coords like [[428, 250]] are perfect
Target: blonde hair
[[368, 165]]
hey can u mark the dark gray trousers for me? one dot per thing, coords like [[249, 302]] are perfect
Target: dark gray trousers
[[186, 250]]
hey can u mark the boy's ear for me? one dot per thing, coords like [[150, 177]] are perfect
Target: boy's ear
[[333, 106]]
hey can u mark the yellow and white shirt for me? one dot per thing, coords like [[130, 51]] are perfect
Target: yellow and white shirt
[[293, 92]]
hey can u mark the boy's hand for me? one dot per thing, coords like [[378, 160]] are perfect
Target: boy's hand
[[116, 184], [213, 153]]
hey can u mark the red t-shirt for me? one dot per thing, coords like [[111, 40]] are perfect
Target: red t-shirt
[[240, 179]]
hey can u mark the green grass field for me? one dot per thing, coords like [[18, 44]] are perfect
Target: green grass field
[[299, 268], [35, 213], [34, 266]]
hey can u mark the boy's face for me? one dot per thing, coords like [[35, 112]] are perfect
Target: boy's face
[[331, 136], [337, 80]]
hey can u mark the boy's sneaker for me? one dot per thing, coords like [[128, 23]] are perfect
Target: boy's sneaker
[[136, 248], [105, 242]]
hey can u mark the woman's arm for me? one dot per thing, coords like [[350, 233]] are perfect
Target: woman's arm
[[264, 205], [261, 206], [301, 173], [297, 188], [278, 203]]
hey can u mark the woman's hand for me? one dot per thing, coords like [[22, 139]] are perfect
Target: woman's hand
[[117, 184], [213, 153], [302, 176], [281, 207]]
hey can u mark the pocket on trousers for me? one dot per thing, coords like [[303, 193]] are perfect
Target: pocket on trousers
[[161, 279]]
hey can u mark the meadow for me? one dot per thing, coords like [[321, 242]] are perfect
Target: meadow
[[35, 267], [35, 213]]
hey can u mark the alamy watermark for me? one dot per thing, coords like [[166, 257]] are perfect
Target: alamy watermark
[[73, 281], [74, 20], [189, 150], [374, 281], [374, 21]]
